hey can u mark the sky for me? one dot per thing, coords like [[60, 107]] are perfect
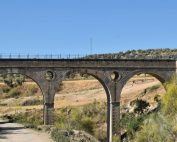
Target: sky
[[86, 26]]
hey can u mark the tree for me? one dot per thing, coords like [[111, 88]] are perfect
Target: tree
[[13, 80], [140, 106]]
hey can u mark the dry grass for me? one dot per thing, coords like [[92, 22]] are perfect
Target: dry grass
[[82, 92]]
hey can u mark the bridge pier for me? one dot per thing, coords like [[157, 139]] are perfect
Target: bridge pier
[[116, 118], [48, 109], [48, 113], [115, 88], [109, 121]]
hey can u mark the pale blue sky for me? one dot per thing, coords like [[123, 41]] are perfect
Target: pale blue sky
[[66, 26]]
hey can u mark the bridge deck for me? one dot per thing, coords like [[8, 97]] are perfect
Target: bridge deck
[[89, 63]]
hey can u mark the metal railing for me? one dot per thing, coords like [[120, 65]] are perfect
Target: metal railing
[[39, 56], [81, 56]]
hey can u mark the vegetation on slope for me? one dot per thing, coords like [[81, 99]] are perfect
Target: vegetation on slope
[[91, 118], [157, 126], [162, 53], [86, 120]]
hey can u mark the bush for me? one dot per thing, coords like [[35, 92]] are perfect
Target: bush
[[157, 128], [141, 105], [87, 124], [31, 89], [31, 118], [153, 88], [13, 80], [89, 118], [31, 101], [93, 109], [5, 89], [14, 93], [169, 101], [115, 138], [101, 134], [59, 135], [131, 123], [162, 125]]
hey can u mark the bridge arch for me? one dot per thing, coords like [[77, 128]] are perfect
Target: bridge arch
[[29, 76], [125, 76], [98, 75], [155, 77], [101, 77], [24, 73], [161, 76], [134, 90]]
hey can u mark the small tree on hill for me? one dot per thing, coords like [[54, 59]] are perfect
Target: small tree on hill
[[13, 80], [140, 106]]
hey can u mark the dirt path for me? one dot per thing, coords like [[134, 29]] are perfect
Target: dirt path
[[13, 132]]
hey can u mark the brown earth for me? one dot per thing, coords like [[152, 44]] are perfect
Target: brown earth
[[82, 92]]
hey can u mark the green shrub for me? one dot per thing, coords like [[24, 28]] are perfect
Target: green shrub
[[31, 102], [169, 101], [157, 128], [162, 125], [93, 109], [31, 118], [88, 118], [116, 138], [153, 88], [131, 123], [31, 89], [100, 133], [141, 105], [59, 135], [87, 124], [5, 89], [13, 80], [61, 121], [149, 90], [14, 93]]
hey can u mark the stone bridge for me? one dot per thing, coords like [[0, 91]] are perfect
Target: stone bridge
[[112, 74]]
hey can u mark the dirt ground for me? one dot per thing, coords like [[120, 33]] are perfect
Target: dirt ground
[[81, 92], [13, 132]]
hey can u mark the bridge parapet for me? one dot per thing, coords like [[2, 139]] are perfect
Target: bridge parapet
[[84, 63]]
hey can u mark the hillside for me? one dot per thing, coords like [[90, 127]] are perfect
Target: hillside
[[78, 93], [162, 53]]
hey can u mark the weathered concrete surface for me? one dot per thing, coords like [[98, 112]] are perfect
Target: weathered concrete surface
[[87, 63]]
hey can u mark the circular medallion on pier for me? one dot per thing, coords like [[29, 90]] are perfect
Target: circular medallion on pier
[[115, 76], [49, 75]]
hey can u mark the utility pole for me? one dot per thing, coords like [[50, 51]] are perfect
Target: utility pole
[[91, 45]]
